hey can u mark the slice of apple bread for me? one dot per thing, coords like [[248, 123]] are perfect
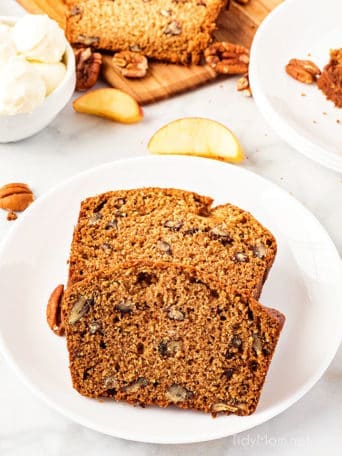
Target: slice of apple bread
[[163, 334], [175, 226], [176, 31]]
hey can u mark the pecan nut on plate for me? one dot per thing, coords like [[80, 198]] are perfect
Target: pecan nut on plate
[[54, 315], [303, 70], [15, 197]]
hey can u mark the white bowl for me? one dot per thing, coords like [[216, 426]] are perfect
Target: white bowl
[[21, 126]]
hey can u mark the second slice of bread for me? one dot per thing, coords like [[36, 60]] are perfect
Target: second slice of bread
[[173, 226]]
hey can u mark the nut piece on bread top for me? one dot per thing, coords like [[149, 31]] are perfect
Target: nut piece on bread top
[[175, 31], [174, 226], [162, 334]]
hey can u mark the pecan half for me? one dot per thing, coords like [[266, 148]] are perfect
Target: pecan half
[[88, 67], [54, 315], [227, 58], [15, 197], [130, 64], [302, 70]]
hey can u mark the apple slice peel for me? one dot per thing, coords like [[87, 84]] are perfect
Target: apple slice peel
[[199, 137], [112, 104]]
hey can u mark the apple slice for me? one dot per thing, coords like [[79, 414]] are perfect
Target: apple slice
[[197, 136], [112, 104]]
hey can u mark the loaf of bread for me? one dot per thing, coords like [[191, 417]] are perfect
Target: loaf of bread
[[163, 334], [173, 226], [175, 31]]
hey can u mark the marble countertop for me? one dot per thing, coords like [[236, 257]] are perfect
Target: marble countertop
[[73, 143]]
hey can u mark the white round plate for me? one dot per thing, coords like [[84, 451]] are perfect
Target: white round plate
[[305, 284], [299, 113]]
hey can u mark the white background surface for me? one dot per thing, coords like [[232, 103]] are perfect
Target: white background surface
[[73, 143]]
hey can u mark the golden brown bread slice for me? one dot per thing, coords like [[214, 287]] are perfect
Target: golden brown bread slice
[[176, 31], [174, 226], [162, 334]]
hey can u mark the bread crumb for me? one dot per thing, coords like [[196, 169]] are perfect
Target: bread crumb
[[303, 94], [11, 216], [330, 80]]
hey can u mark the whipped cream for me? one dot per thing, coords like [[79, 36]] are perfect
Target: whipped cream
[[7, 46], [31, 64], [22, 88], [52, 73], [39, 38]]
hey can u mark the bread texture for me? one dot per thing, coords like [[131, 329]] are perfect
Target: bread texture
[[164, 334], [175, 226], [175, 31]]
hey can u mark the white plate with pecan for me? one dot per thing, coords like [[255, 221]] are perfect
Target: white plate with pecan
[[304, 284], [299, 112]]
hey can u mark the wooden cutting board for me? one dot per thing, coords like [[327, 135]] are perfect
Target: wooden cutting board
[[237, 25]]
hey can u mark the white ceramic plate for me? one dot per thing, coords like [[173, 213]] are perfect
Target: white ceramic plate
[[305, 284], [305, 29]]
